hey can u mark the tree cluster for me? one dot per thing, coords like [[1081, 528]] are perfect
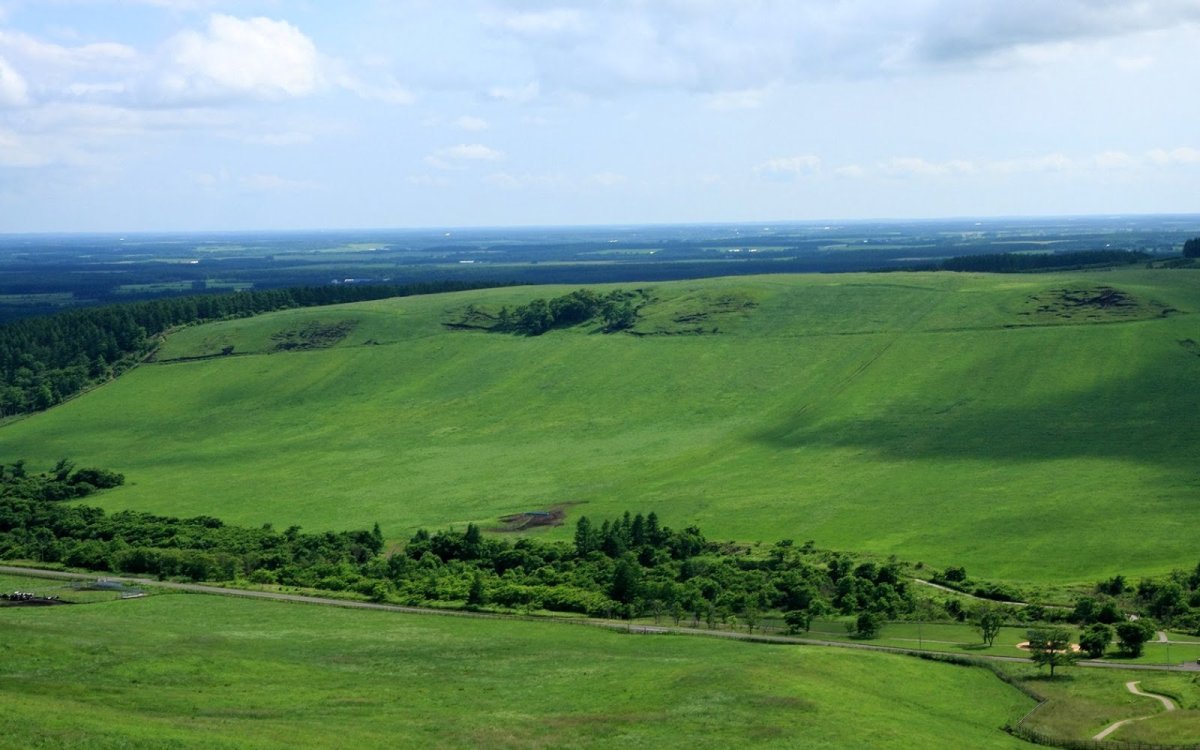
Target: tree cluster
[[34, 527], [45, 360], [634, 565], [1191, 248], [63, 482], [616, 311]]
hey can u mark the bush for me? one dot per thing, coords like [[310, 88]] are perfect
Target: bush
[[866, 625], [1095, 639]]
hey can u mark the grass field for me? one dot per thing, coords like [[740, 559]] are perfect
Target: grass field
[[195, 671], [1082, 702], [951, 419]]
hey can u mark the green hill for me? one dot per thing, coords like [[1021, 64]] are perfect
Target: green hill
[[192, 671], [1032, 428]]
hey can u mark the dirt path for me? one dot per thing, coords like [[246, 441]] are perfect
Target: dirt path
[[1132, 687], [949, 590], [619, 625]]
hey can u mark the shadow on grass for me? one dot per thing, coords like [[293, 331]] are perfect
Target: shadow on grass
[[1116, 419]]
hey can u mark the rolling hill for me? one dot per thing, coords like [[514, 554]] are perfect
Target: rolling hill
[[1033, 428]]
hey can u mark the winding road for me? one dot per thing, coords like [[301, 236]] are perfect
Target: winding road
[[1132, 687]]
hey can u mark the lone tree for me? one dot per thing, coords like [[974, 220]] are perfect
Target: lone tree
[[1132, 637], [1191, 248], [1050, 647], [866, 626], [988, 620]]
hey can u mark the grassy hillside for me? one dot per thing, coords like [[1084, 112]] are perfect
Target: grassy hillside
[[1003, 423], [204, 672]]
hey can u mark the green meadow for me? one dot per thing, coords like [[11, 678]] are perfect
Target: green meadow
[[953, 419], [1082, 702], [184, 671]]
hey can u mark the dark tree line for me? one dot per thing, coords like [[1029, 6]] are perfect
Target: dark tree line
[[636, 566], [1024, 262], [45, 360], [1191, 248], [34, 527], [630, 566]]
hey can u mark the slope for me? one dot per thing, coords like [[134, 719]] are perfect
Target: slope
[[1014, 425]]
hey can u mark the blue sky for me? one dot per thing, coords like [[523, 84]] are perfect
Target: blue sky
[[126, 115]]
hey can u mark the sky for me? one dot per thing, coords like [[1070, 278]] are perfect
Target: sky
[[152, 115]]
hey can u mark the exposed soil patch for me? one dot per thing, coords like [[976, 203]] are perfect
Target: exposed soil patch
[[473, 318], [555, 515], [697, 316], [314, 335], [1075, 648], [1091, 304]]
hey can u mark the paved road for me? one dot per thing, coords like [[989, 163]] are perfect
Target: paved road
[[200, 588]]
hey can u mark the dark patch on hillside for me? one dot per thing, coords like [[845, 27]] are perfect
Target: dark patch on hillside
[[1091, 304], [694, 315], [1190, 346], [24, 599], [555, 515], [313, 335]]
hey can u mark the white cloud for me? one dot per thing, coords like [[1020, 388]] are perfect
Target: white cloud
[[510, 181], [519, 95], [14, 92], [1114, 160], [1045, 163], [539, 23], [426, 180], [719, 48], [724, 101], [1181, 155], [47, 55], [457, 157], [789, 166], [16, 152], [910, 166], [474, 124], [284, 138], [607, 179], [472, 152], [275, 183], [257, 58], [850, 171], [963, 30], [390, 91], [1132, 64]]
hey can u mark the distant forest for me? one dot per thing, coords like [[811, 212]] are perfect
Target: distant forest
[[45, 360], [1026, 262]]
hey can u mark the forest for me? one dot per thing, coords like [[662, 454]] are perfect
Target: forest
[[1027, 262]]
